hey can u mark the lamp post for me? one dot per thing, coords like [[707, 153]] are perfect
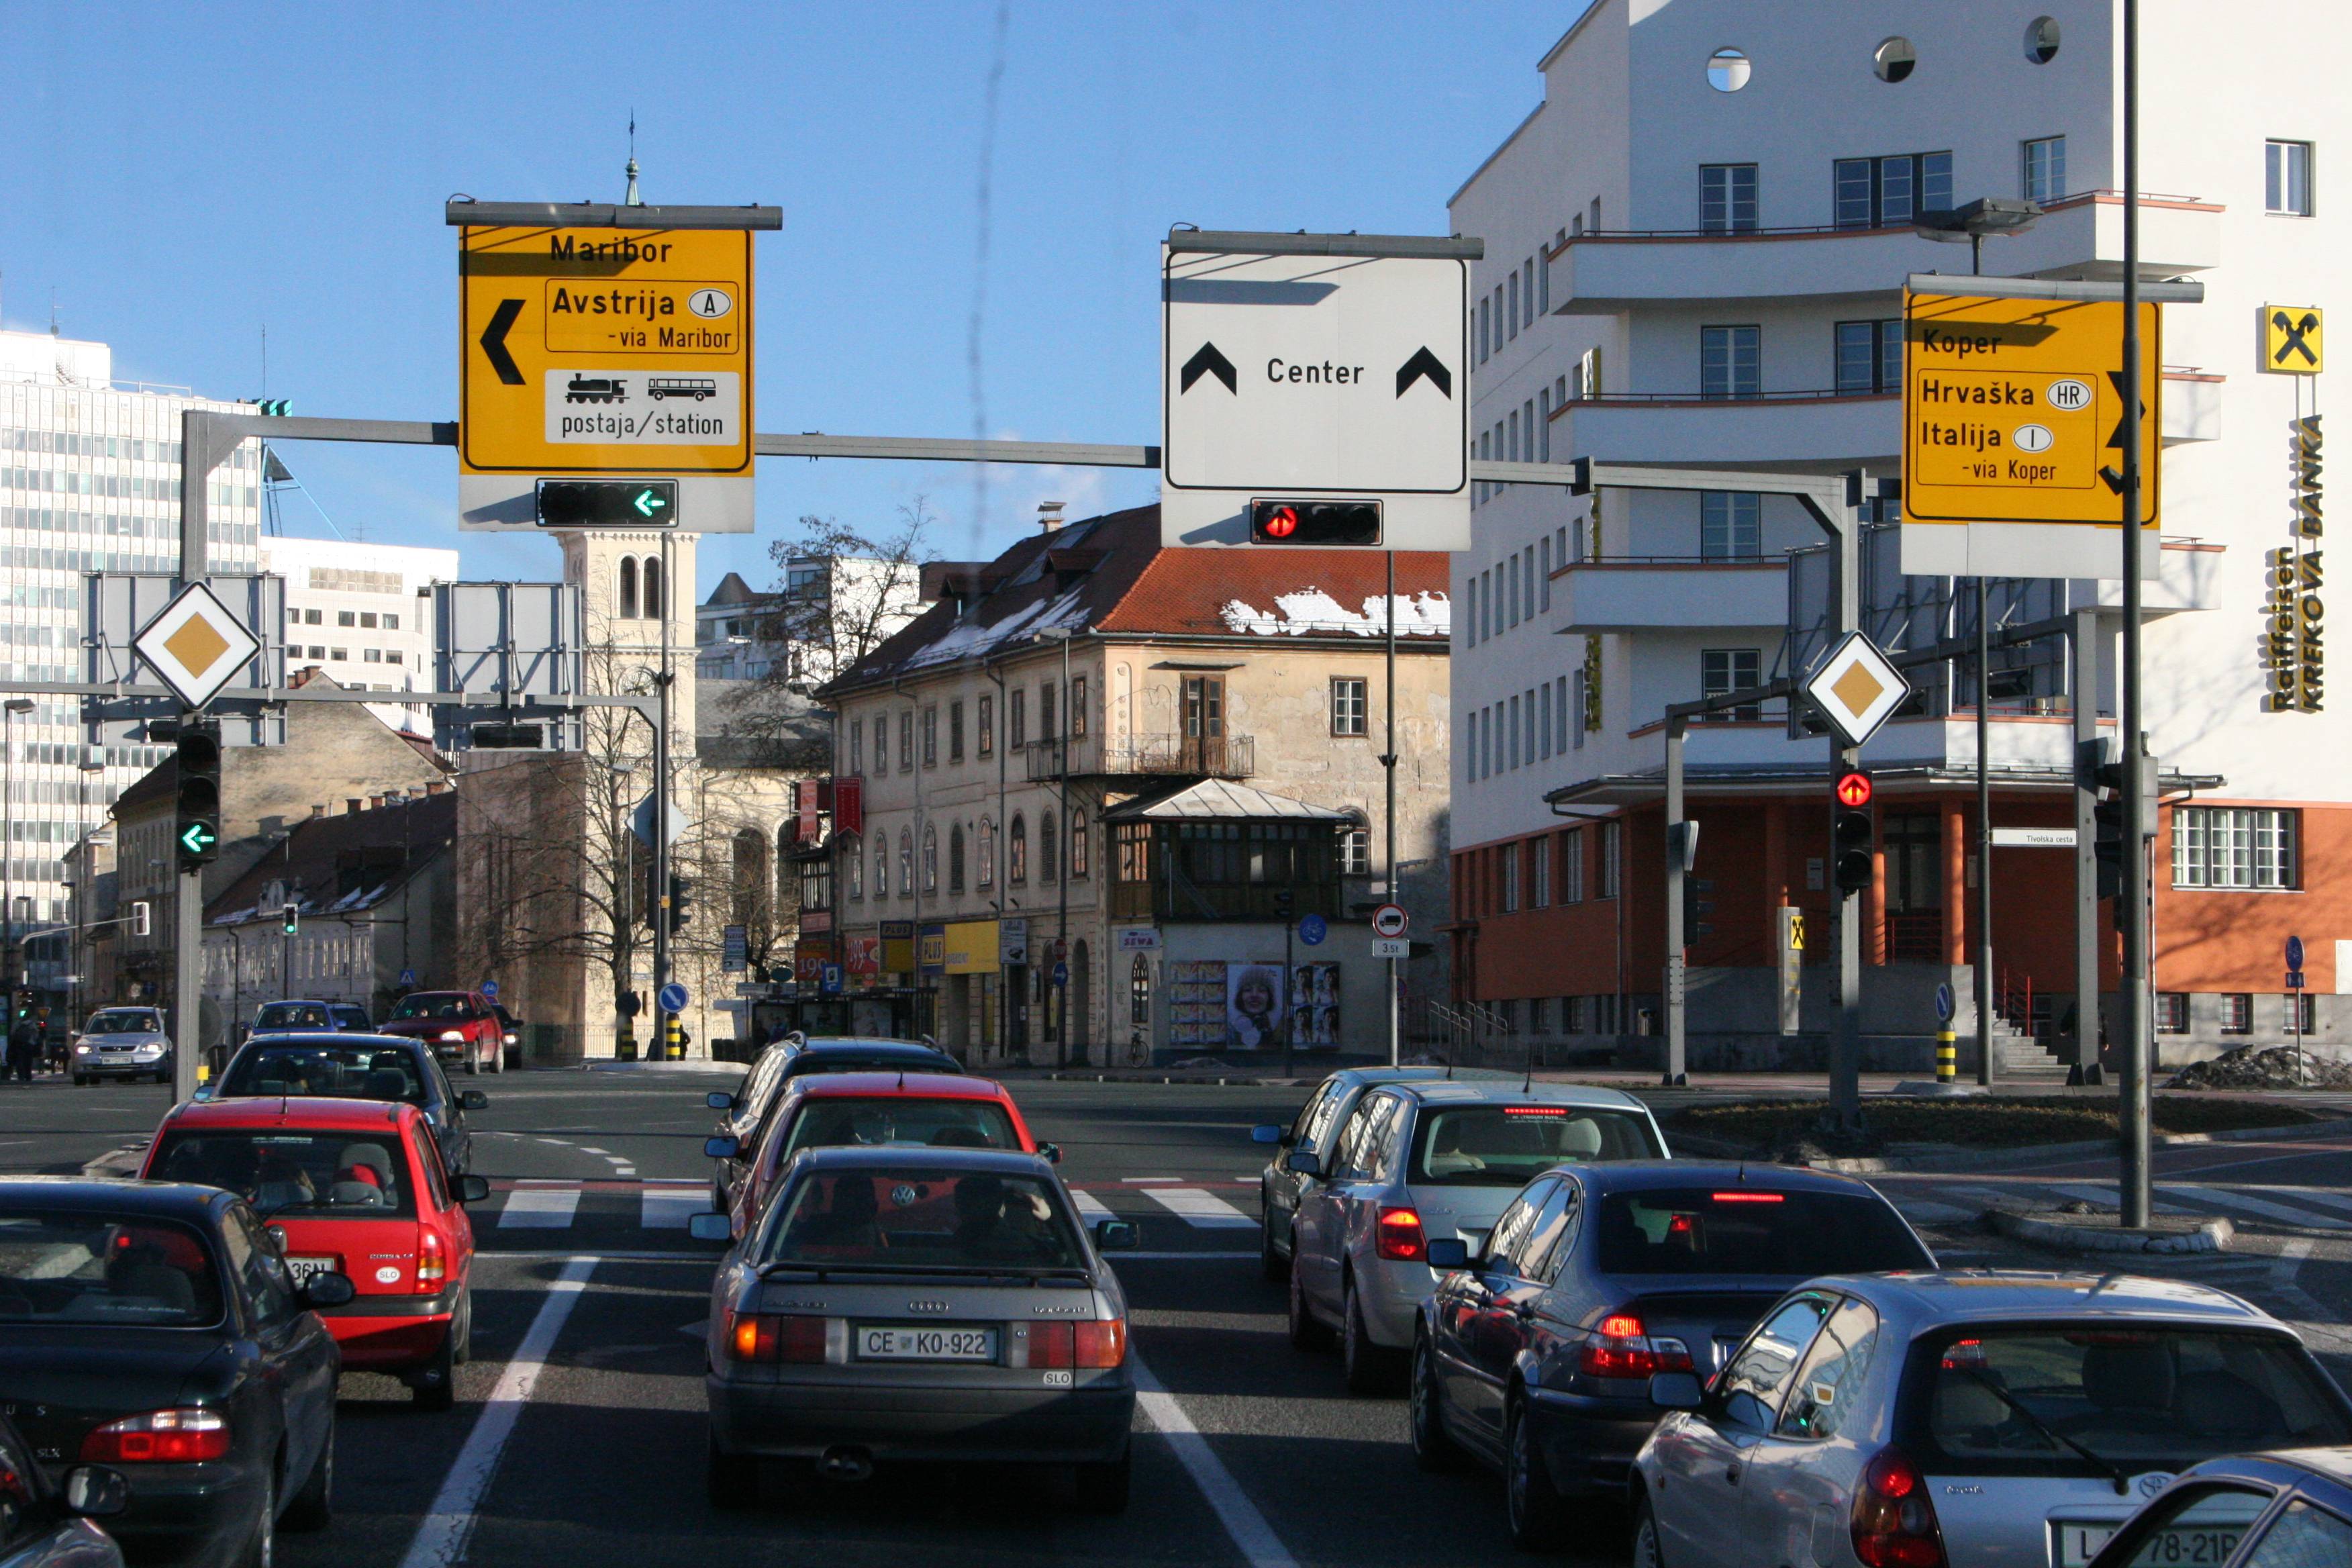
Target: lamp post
[[8, 969]]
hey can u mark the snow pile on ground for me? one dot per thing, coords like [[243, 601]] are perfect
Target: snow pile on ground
[[2262, 1067], [1313, 612]]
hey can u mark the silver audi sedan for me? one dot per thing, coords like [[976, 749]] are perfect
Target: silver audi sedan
[[918, 1304], [1970, 1419]]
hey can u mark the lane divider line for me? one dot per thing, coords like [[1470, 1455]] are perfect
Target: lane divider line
[[1244, 1524], [442, 1536]]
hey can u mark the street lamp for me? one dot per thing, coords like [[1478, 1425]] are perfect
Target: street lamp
[[1969, 223], [13, 706]]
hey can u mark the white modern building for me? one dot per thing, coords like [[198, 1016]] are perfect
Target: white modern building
[[1695, 247], [363, 612], [829, 612], [89, 481]]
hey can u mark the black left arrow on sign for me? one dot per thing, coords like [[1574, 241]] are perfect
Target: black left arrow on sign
[[1209, 362], [1424, 363], [494, 342], [2112, 474]]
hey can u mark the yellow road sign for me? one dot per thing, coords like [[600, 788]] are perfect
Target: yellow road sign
[[2013, 410], [590, 350], [2293, 341]]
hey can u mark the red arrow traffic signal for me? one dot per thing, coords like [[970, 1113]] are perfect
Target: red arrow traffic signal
[[1853, 789]]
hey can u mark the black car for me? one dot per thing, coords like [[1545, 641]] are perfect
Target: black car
[[357, 1067], [850, 1053], [743, 1115], [154, 1329], [1534, 1356], [42, 1526]]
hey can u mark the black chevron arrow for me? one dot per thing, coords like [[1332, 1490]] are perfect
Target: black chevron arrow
[[1213, 362], [1424, 363], [494, 342], [2115, 480]]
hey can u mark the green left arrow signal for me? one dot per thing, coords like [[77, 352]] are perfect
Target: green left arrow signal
[[196, 837], [648, 502]]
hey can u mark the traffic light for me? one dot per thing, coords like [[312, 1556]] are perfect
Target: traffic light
[[1314, 523], [196, 829], [289, 919], [142, 918], [1853, 864], [2111, 779], [681, 898], [1697, 907]]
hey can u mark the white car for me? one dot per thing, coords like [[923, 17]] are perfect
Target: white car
[[1970, 1419], [121, 1042], [1422, 1158]]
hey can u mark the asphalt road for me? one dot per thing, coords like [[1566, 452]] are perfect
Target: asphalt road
[[577, 1441]]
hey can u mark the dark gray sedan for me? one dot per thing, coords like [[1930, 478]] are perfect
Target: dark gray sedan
[[920, 1304], [357, 1067], [43, 1526]]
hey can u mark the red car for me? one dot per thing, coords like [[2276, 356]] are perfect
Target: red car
[[356, 1187], [464, 1027], [908, 1110]]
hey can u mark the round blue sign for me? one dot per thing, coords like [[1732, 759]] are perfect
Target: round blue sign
[[2294, 953], [1311, 930], [491, 989], [672, 997], [1061, 974], [1944, 1002]]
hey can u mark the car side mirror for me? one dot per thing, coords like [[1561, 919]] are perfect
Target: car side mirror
[[323, 1291], [1117, 1236], [719, 1100], [1050, 1152], [1446, 1252], [722, 1147], [474, 1099], [710, 1228], [1676, 1391], [1267, 1132], [1305, 1161], [93, 1491], [473, 1189]]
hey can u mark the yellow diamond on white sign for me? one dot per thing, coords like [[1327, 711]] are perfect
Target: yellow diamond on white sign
[[1856, 689], [196, 646]]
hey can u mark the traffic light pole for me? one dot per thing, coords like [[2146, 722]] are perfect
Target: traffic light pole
[[2084, 1069], [1677, 940], [2131, 997]]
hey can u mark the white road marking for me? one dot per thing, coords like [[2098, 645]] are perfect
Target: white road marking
[[587, 1149], [1247, 1528], [1090, 1205], [441, 1537], [2261, 1206], [668, 1210], [1199, 1207], [2339, 1201], [1115, 1258], [628, 1171], [540, 1208], [1131, 1181]]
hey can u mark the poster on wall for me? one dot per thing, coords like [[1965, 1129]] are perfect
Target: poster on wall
[[1196, 1002], [1315, 1006], [1252, 1006]]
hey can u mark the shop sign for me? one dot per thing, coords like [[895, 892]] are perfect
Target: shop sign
[[931, 950], [849, 806], [2293, 616], [862, 956], [969, 947]]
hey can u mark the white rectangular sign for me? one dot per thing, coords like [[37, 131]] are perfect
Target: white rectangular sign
[[2033, 838], [638, 408], [1305, 378], [1391, 947], [1145, 940]]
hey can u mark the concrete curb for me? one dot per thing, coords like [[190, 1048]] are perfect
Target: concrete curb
[[2214, 1235], [2036, 1153]]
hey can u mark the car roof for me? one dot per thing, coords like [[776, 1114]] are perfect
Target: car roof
[[339, 1039], [865, 1043], [292, 1110], [304, 1002], [1922, 1300], [177, 1200], [1504, 1090], [858, 1157], [913, 1085], [1368, 1077], [1649, 1175]]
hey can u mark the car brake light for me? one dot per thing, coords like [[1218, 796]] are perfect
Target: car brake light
[[769, 1336], [1893, 1522], [1535, 1111], [432, 1262], [1052, 1345], [1620, 1347], [1101, 1344], [161, 1436], [1397, 1234], [1748, 1197]]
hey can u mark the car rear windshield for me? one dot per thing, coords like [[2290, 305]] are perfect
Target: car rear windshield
[[915, 1217], [285, 1170], [1508, 1145], [293, 1016], [902, 1118], [434, 1005], [1751, 1229], [1996, 1400], [337, 1072], [123, 1023], [884, 1061], [116, 1269]]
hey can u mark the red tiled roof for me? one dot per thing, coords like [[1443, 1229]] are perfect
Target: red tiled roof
[[1185, 591]]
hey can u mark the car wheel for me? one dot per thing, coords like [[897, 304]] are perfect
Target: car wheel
[[463, 1321], [81, 1080], [473, 1064], [1102, 1489], [261, 1548], [1306, 1333], [732, 1481], [1371, 1368], [1273, 1264], [314, 1508], [1533, 1506], [1646, 1553], [436, 1380], [1424, 1419]]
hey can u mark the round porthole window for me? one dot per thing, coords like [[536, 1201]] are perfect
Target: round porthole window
[[1894, 58], [1726, 70], [2042, 40]]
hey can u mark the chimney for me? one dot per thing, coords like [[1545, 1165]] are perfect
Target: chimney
[[1049, 516], [376, 801], [316, 811], [353, 806], [437, 787]]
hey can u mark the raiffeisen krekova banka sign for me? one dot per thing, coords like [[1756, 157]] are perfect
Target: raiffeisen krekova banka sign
[[2293, 616], [2013, 442], [601, 351]]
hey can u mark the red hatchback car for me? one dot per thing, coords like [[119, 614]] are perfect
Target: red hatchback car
[[462, 1026], [910, 1109], [356, 1187]]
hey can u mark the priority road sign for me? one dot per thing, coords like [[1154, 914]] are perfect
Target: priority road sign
[[2013, 435], [1343, 375], [1856, 689], [1389, 920], [2294, 342], [196, 646], [672, 997]]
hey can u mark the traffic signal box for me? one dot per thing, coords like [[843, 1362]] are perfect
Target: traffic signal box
[[1853, 836], [1312, 523], [1697, 907], [196, 830]]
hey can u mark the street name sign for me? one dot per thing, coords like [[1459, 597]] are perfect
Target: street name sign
[[2013, 435], [1856, 690], [1318, 368], [2033, 838], [195, 646]]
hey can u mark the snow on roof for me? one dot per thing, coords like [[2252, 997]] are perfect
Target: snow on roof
[[1311, 611]]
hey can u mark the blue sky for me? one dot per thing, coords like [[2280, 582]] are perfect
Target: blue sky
[[182, 177]]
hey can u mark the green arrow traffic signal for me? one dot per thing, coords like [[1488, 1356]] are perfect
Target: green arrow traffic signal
[[649, 501], [198, 837]]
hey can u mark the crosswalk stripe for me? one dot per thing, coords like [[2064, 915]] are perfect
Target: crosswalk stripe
[[1198, 1206], [2263, 1206], [2339, 1201], [1090, 1205], [669, 1210], [540, 1208]]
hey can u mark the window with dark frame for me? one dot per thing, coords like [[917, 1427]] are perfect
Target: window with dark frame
[[955, 730], [1349, 710], [2237, 1013], [2286, 178], [1731, 361], [1890, 192], [1727, 669], [2042, 174], [986, 715], [1869, 357], [1727, 198]]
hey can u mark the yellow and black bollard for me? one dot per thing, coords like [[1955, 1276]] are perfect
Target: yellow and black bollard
[[674, 1043], [1948, 1058], [625, 1049]]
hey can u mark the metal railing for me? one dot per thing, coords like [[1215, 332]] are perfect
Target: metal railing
[[1175, 756]]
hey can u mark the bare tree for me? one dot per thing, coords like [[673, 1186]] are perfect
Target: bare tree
[[843, 591]]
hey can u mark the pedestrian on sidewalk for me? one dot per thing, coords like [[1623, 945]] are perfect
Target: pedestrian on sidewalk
[[24, 1045]]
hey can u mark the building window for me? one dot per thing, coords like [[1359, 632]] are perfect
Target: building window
[[1572, 867], [882, 870], [1539, 855], [391, 623], [2303, 1011], [906, 740], [986, 725], [652, 577], [955, 730], [930, 860], [905, 864], [1727, 198], [1047, 729], [1078, 706], [346, 618], [1889, 193], [2232, 847], [1348, 705], [1512, 318], [2043, 170], [311, 617], [1017, 871], [1728, 669], [1485, 322], [1139, 992], [1730, 526], [627, 605], [2172, 1012], [881, 743], [2237, 1014], [1731, 361], [1049, 860], [1869, 357], [858, 874], [1081, 847], [1509, 854], [987, 853], [931, 736], [2286, 183], [1610, 832], [1017, 717]]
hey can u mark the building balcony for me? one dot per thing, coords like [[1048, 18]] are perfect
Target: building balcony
[[1143, 756], [1665, 594], [1804, 430]]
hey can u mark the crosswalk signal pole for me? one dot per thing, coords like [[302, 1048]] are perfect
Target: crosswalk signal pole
[[2133, 1000]]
